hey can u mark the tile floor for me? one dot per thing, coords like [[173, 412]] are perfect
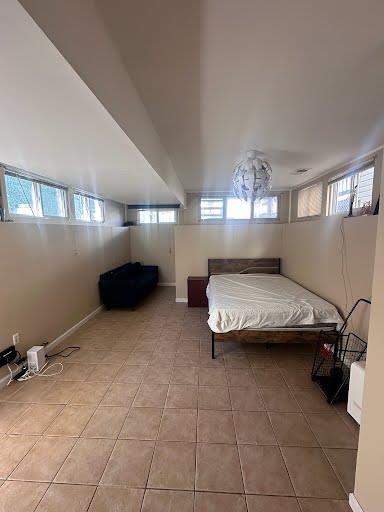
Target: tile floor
[[142, 419]]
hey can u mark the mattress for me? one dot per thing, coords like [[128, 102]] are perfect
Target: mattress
[[265, 301]]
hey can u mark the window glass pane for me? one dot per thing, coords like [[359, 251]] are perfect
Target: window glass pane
[[96, 209], [167, 216], [21, 195], [309, 200], [211, 208], [81, 207], [147, 216], [238, 209], [53, 200], [339, 192], [266, 208]]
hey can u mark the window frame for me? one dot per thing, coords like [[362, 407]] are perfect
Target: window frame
[[38, 180], [87, 195], [317, 215], [157, 223], [251, 219], [351, 173]]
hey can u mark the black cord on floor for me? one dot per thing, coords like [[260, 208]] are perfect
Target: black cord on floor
[[74, 349]]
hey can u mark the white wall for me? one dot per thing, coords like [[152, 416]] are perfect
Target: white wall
[[194, 244], [312, 256], [154, 244]]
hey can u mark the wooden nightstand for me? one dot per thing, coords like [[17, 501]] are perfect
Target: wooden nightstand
[[197, 286]]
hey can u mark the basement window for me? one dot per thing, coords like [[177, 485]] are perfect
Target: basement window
[[211, 208], [156, 216], [30, 197], [237, 209], [309, 201], [266, 208], [88, 208], [340, 190]]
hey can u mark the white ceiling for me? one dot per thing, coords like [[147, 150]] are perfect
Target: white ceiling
[[53, 125], [301, 80]]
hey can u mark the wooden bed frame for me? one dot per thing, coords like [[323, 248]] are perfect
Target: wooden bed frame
[[253, 266]]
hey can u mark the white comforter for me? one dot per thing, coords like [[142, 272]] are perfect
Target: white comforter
[[262, 301]]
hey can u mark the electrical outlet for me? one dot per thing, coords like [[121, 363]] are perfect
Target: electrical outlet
[[16, 338]]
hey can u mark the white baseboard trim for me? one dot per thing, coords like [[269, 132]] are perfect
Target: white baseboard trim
[[4, 380], [180, 299], [72, 329], [354, 504], [166, 284]]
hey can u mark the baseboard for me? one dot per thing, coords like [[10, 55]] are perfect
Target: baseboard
[[354, 504], [166, 284], [178, 299], [72, 329], [4, 380]]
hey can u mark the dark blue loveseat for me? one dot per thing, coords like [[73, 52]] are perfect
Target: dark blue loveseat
[[125, 286]]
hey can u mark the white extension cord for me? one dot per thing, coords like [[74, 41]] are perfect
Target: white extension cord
[[30, 374]]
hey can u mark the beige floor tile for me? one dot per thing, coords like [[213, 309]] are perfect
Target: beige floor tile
[[132, 374], [44, 460], [279, 400], [298, 378], [157, 374], [188, 375], [242, 377], [173, 466], [236, 361], [215, 427], [74, 371], [120, 394], [331, 431], [246, 399], [129, 463], [212, 377], [10, 413], [178, 425], [12, 450], [86, 462], [214, 397], [292, 429], [151, 395], [182, 397], [8, 392], [32, 392], [142, 423], [318, 505], [264, 471], [104, 373], [268, 377], [219, 502], [344, 465], [187, 359], [205, 359], [312, 400], [63, 497], [71, 421], [171, 501], [37, 420], [272, 504], [106, 422], [21, 496], [311, 473], [115, 499], [218, 468], [59, 393], [89, 393], [253, 428]]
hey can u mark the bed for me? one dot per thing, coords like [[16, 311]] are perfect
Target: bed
[[251, 302]]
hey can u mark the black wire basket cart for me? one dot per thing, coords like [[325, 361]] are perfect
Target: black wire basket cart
[[334, 355]]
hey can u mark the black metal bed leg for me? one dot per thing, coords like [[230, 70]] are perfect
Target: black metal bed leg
[[213, 345]]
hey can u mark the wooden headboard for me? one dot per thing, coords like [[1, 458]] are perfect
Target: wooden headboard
[[244, 265]]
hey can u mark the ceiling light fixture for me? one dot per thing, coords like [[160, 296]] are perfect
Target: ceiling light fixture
[[252, 177]]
